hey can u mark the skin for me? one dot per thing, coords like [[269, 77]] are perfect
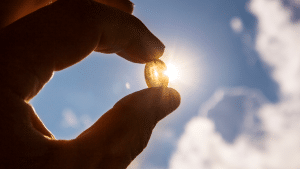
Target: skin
[[38, 38]]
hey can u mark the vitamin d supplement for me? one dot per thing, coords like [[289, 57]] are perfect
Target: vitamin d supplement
[[155, 74]]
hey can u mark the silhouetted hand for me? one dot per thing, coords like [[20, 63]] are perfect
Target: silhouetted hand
[[53, 37]]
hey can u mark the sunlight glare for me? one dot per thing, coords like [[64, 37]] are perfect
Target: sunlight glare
[[155, 73], [171, 72], [184, 70]]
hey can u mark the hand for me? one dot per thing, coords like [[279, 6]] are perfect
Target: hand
[[53, 38]]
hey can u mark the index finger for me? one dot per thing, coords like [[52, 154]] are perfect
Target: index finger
[[127, 36], [62, 34]]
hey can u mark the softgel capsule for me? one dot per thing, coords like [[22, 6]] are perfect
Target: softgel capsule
[[155, 74]]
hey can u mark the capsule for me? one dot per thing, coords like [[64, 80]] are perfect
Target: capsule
[[155, 74]]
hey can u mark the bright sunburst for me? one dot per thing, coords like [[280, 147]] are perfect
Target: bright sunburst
[[171, 72], [181, 69], [183, 72]]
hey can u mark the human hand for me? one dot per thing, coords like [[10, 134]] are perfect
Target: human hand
[[54, 38]]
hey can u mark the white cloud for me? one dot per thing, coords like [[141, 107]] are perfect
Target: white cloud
[[203, 144], [278, 42], [69, 119], [127, 85], [271, 142], [236, 24], [276, 145]]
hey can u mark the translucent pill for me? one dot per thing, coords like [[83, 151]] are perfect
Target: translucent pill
[[155, 74]]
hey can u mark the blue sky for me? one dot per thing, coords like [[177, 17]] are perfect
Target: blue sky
[[239, 64]]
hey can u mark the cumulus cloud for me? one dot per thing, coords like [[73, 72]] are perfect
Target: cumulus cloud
[[227, 133], [236, 24], [264, 135], [278, 42], [260, 134]]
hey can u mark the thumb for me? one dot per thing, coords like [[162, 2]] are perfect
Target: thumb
[[124, 131]]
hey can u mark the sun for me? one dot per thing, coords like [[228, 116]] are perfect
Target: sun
[[176, 69], [171, 72]]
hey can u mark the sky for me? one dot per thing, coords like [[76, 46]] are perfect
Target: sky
[[238, 64]]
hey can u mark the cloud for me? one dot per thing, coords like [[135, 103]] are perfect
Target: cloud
[[264, 135], [69, 119], [226, 134], [236, 24], [234, 111], [127, 85], [278, 42], [238, 128]]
